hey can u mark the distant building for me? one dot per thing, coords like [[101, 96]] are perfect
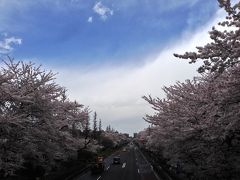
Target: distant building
[[126, 134], [135, 135]]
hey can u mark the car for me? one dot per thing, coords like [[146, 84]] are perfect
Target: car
[[124, 150], [116, 160]]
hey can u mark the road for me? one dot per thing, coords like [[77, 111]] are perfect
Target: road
[[134, 166]]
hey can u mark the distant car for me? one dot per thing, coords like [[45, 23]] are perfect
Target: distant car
[[124, 150], [116, 160]]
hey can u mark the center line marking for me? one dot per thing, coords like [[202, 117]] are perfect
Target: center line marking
[[124, 164], [138, 171], [98, 177]]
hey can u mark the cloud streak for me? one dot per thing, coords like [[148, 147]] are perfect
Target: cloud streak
[[103, 11], [6, 45]]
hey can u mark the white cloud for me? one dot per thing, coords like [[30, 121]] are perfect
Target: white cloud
[[90, 19], [115, 92], [103, 11], [6, 45]]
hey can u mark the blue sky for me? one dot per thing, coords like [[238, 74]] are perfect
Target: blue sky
[[103, 40], [56, 30]]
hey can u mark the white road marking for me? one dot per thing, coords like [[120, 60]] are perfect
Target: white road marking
[[98, 177], [151, 167], [108, 167], [124, 164], [138, 171]]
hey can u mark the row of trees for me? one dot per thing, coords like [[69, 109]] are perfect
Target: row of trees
[[39, 126], [36, 119], [196, 128]]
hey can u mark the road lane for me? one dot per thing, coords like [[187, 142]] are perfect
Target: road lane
[[130, 171], [133, 166], [145, 169], [126, 170]]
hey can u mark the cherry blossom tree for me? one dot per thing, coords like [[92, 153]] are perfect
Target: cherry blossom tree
[[34, 111], [223, 51], [115, 138], [196, 127]]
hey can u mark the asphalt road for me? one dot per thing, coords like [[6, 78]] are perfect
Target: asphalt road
[[133, 166]]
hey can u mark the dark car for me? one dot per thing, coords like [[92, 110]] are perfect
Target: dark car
[[116, 160]]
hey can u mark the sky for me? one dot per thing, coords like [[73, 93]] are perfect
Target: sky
[[109, 53]]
